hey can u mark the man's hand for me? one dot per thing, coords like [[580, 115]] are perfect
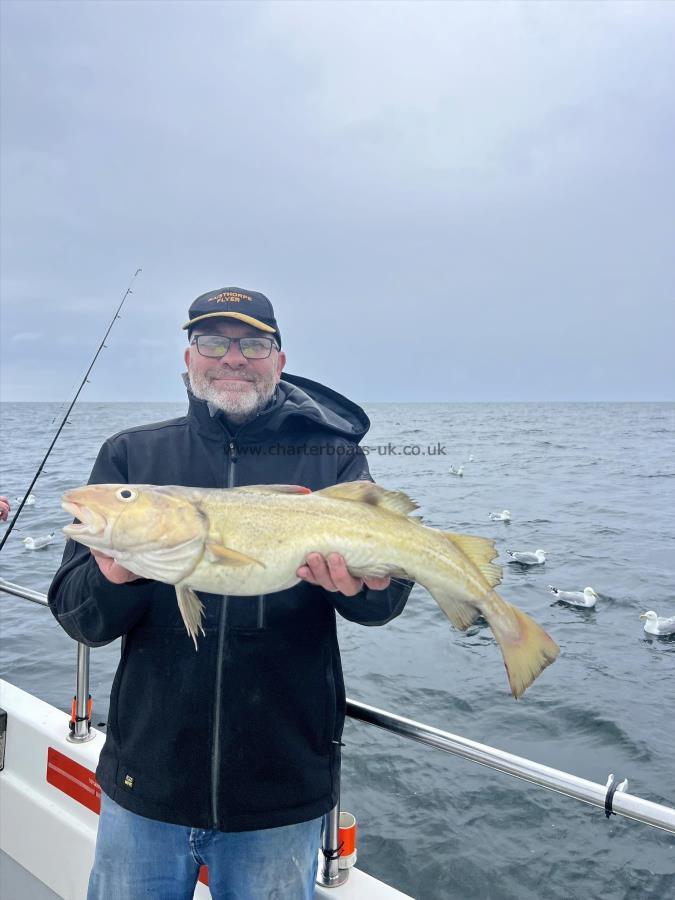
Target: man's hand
[[4, 509], [331, 573], [112, 570]]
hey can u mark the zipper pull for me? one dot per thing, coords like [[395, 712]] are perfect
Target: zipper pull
[[232, 447]]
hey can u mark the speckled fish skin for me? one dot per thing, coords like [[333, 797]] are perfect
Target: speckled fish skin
[[251, 541]]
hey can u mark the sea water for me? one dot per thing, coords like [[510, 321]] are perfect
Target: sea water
[[594, 485]]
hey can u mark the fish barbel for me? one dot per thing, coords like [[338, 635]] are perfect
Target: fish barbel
[[251, 540]]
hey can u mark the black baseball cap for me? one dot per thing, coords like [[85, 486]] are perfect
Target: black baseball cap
[[250, 307]]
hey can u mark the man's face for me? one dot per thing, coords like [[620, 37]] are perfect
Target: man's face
[[240, 387]]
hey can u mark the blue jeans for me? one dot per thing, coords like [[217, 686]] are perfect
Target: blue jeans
[[143, 858]]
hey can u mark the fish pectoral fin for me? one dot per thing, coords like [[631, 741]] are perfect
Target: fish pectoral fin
[[372, 494], [274, 489], [480, 551], [191, 609], [228, 557]]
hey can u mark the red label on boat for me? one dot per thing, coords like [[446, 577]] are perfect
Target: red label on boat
[[73, 779]]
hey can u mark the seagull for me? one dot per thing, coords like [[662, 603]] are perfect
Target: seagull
[[585, 598], [528, 559], [471, 457], [503, 516], [454, 471], [37, 543], [658, 625], [30, 500]]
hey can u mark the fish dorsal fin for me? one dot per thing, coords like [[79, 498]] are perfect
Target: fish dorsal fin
[[480, 551], [273, 489], [229, 557], [372, 494]]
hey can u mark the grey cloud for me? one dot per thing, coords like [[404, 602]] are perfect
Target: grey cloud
[[496, 173]]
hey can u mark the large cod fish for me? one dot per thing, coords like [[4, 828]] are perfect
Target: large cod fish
[[251, 540]]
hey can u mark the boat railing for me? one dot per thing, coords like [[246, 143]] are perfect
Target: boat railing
[[612, 797]]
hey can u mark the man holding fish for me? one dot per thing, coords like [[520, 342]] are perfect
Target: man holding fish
[[228, 756]]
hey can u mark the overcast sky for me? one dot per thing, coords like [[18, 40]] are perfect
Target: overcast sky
[[444, 201]]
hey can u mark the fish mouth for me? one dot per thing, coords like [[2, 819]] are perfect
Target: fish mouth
[[90, 522]]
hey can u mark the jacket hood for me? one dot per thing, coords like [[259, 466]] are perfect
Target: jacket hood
[[299, 404]]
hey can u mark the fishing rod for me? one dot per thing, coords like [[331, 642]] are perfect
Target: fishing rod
[[69, 410]]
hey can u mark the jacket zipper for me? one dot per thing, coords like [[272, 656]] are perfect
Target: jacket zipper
[[215, 756]]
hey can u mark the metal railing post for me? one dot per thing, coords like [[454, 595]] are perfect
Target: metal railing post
[[81, 731], [330, 874]]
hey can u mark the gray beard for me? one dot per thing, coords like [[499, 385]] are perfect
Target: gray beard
[[240, 403]]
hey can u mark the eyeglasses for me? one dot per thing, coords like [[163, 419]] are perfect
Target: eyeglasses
[[216, 346]]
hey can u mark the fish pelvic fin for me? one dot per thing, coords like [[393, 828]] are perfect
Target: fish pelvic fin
[[229, 557], [191, 609], [525, 646], [372, 494], [480, 552]]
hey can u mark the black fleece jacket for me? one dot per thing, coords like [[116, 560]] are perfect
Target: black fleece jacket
[[245, 733]]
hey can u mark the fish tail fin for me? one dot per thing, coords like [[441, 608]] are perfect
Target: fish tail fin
[[525, 646], [191, 609]]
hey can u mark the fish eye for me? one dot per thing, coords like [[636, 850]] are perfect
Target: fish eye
[[126, 495]]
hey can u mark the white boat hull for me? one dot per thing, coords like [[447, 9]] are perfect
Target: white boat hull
[[47, 828]]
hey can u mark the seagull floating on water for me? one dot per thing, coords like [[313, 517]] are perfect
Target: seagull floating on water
[[37, 543], [454, 471], [585, 598], [471, 457], [658, 625], [525, 558], [30, 500], [503, 516]]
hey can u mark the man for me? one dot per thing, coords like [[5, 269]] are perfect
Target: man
[[229, 756]]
